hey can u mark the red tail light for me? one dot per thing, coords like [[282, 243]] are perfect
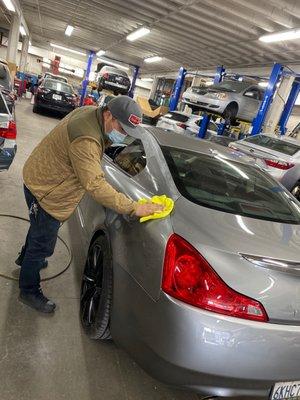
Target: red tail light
[[10, 132], [188, 277], [106, 75], [279, 164], [181, 125]]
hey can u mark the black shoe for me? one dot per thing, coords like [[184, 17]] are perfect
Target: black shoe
[[20, 258], [37, 301]]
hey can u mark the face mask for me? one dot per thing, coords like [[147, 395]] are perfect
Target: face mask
[[116, 137]]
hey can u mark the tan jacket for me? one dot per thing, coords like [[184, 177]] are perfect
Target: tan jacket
[[66, 164]]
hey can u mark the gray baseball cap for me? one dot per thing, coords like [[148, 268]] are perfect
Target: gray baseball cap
[[126, 111]]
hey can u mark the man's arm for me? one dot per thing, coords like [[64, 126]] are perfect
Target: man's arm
[[85, 154]]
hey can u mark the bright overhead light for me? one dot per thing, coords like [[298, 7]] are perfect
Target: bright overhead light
[[69, 30], [67, 49], [30, 44], [263, 84], [108, 62], [147, 79], [9, 5], [280, 36], [152, 59], [101, 53], [22, 30], [209, 83], [138, 34]]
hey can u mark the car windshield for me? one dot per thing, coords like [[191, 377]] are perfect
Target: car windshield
[[5, 82], [217, 182], [59, 86], [230, 86], [274, 144]]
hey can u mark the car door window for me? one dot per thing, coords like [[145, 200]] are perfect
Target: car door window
[[252, 93], [132, 158]]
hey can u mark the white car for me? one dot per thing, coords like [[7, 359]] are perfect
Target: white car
[[181, 122]]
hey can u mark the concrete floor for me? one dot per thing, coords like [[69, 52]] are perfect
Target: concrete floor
[[49, 357]]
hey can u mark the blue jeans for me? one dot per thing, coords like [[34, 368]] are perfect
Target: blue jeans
[[40, 244]]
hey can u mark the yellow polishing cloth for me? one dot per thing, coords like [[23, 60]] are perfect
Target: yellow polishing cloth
[[163, 200]]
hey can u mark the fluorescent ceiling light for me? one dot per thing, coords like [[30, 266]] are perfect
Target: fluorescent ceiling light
[[209, 83], [69, 30], [9, 5], [22, 30], [67, 49], [108, 62], [152, 59], [263, 84], [280, 36], [30, 44], [138, 34], [101, 53], [147, 79]]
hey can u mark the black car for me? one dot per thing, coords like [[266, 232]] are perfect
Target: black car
[[114, 79], [6, 86], [55, 96]]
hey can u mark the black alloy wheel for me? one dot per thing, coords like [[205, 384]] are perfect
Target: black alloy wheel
[[96, 290]]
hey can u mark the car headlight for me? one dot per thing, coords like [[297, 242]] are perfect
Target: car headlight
[[220, 96]]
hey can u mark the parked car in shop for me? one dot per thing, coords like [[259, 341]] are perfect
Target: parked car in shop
[[114, 79], [231, 99], [215, 283], [181, 122], [56, 96], [6, 85], [278, 155], [8, 135]]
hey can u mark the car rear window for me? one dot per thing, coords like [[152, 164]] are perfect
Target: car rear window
[[217, 182], [112, 70], [59, 86], [274, 144], [177, 117]]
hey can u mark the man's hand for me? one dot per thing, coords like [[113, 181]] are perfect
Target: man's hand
[[143, 210]]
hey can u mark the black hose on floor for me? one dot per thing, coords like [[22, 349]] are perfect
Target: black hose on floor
[[59, 238]]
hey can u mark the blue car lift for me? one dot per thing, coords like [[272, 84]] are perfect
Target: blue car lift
[[220, 73], [278, 72]]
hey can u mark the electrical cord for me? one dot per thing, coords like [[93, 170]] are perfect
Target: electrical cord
[[59, 238]]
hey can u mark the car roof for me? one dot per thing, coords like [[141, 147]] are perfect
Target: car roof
[[190, 143], [57, 81]]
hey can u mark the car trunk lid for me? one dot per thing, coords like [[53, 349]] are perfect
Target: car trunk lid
[[255, 257]]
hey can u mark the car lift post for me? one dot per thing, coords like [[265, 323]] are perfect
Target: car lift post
[[204, 125], [219, 74], [87, 76], [134, 78], [267, 100], [177, 89], [289, 107]]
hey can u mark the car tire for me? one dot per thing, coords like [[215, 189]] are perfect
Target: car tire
[[35, 109], [97, 290], [296, 191], [230, 112]]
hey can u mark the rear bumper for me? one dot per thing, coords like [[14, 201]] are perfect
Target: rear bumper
[[49, 105], [206, 352]]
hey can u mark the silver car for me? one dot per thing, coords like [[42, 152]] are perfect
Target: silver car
[[180, 122], [278, 155], [231, 99], [208, 298]]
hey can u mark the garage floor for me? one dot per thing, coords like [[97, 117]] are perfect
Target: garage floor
[[49, 357]]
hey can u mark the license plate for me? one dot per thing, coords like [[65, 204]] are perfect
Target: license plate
[[56, 97], [286, 390]]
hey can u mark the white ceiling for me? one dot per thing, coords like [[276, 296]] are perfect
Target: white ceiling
[[198, 34]]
